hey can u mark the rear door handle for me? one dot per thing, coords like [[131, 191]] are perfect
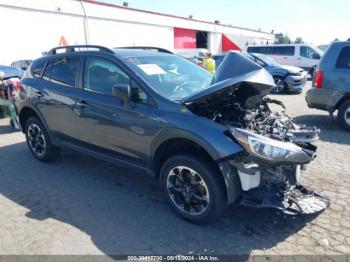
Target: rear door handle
[[115, 115], [82, 105], [38, 94]]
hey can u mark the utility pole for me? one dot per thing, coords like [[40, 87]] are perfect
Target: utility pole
[[86, 24]]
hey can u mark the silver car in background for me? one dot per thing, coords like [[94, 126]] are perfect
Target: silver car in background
[[287, 78], [331, 83]]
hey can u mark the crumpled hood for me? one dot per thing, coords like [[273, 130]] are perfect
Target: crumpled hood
[[289, 69], [237, 77]]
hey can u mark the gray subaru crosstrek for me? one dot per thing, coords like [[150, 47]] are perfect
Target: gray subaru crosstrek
[[211, 140], [331, 83]]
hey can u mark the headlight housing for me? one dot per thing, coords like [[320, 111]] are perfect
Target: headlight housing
[[270, 149], [295, 73]]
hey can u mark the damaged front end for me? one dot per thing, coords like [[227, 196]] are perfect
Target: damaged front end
[[276, 149], [269, 173]]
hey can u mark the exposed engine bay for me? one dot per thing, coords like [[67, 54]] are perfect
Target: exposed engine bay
[[261, 120], [277, 150]]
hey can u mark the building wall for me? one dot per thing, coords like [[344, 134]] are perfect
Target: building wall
[[35, 26], [28, 33], [118, 34]]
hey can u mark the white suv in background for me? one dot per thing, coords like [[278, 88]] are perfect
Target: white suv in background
[[305, 56]]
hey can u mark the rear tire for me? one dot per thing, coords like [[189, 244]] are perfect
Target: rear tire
[[39, 142], [344, 114], [193, 188]]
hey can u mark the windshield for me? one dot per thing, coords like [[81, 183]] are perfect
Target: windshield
[[266, 59], [318, 50], [172, 76]]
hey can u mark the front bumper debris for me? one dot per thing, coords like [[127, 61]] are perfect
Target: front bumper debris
[[297, 200], [296, 83], [304, 134], [277, 186]]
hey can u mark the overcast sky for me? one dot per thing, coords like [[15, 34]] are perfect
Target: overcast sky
[[316, 21]]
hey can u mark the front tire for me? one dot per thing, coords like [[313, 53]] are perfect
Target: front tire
[[280, 87], [193, 188], [344, 114], [39, 142]]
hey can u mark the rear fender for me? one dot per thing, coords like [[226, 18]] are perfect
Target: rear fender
[[28, 105]]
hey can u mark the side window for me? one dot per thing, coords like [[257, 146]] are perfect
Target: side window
[[64, 71], [283, 50], [266, 50], [253, 50], [37, 68], [290, 50], [100, 75], [343, 60], [260, 50], [137, 93], [308, 52]]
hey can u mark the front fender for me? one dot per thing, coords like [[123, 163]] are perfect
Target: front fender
[[218, 146]]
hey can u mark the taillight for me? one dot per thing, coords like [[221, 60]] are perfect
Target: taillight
[[318, 79], [17, 85]]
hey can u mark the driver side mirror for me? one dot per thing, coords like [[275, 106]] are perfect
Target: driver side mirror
[[123, 92]]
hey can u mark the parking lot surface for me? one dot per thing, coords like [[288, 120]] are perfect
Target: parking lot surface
[[80, 205]]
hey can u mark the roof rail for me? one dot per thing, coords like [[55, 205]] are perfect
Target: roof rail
[[72, 48], [151, 48]]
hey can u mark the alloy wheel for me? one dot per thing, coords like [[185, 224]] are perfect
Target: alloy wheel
[[279, 85], [347, 116], [36, 140], [187, 190]]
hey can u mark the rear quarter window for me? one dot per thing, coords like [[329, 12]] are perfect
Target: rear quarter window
[[343, 60], [37, 68]]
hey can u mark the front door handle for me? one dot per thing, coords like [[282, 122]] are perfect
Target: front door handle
[[82, 105], [38, 94]]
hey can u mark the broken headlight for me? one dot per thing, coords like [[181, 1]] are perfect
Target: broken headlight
[[270, 149]]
